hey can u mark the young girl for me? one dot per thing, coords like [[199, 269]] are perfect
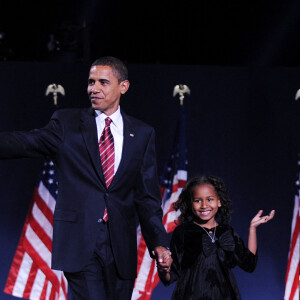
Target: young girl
[[204, 247]]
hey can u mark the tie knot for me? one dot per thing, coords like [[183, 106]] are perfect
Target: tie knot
[[107, 121]]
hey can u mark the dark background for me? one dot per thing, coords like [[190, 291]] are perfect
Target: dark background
[[241, 63], [239, 33]]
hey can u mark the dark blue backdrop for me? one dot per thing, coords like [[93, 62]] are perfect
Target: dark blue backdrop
[[242, 125]]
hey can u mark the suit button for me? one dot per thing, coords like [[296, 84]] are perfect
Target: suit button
[[100, 220]]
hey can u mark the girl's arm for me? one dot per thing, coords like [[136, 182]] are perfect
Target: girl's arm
[[168, 276], [164, 275], [255, 222]]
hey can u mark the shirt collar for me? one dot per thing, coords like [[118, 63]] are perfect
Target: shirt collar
[[116, 117]]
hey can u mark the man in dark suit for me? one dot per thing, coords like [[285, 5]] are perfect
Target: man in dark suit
[[100, 197]]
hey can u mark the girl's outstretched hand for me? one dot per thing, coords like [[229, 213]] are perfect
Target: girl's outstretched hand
[[259, 219]]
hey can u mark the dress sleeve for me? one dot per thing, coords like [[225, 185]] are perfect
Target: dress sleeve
[[246, 260]]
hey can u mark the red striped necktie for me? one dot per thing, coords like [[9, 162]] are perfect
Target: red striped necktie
[[107, 156]]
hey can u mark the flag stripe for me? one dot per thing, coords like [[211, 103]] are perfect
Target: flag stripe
[[44, 208], [295, 285], [14, 270], [52, 293], [49, 289], [30, 281], [41, 263], [295, 229], [38, 284], [46, 197], [152, 270], [141, 253], [35, 243], [21, 280], [63, 286], [292, 275], [41, 233], [19, 256], [30, 274], [44, 290], [293, 246]]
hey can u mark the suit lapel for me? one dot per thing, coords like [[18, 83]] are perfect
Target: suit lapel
[[128, 147], [89, 132]]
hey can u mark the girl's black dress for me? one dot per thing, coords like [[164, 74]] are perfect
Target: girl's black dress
[[201, 268]]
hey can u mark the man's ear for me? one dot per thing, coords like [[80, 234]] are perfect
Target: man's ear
[[124, 86]]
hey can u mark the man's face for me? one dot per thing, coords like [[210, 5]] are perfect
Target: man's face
[[104, 90]]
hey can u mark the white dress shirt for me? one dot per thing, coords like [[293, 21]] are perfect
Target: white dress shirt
[[116, 128]]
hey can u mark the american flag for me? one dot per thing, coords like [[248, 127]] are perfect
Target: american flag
[[30, 275], [292, 279], [172, 181]]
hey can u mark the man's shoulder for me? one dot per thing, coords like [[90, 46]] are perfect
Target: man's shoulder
[[70, 112], [136, 122]]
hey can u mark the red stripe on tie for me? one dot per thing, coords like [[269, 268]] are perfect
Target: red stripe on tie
[[107, 156]]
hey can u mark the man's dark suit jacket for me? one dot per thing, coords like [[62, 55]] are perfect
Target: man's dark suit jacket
[[70, 139]]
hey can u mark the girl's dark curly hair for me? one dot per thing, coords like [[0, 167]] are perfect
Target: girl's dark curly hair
[[185, 200]]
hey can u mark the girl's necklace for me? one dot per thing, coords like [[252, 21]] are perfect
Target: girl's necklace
[[211, 236]]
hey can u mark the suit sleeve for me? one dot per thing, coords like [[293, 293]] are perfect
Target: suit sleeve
[[148, 199], [34, 143]]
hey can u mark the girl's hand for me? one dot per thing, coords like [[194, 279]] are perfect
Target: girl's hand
[[259, 219]]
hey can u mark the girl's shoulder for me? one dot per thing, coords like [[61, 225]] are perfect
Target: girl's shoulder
[[225, 227], [190, 226], [183, 228], [186, 226], [222, 228], [191, 229], [186, 235], [180, 228]]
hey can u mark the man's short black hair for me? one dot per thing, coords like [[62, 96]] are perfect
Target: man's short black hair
[[119, 67]]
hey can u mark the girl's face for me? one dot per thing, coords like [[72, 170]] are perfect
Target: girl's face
[[205, 203]]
